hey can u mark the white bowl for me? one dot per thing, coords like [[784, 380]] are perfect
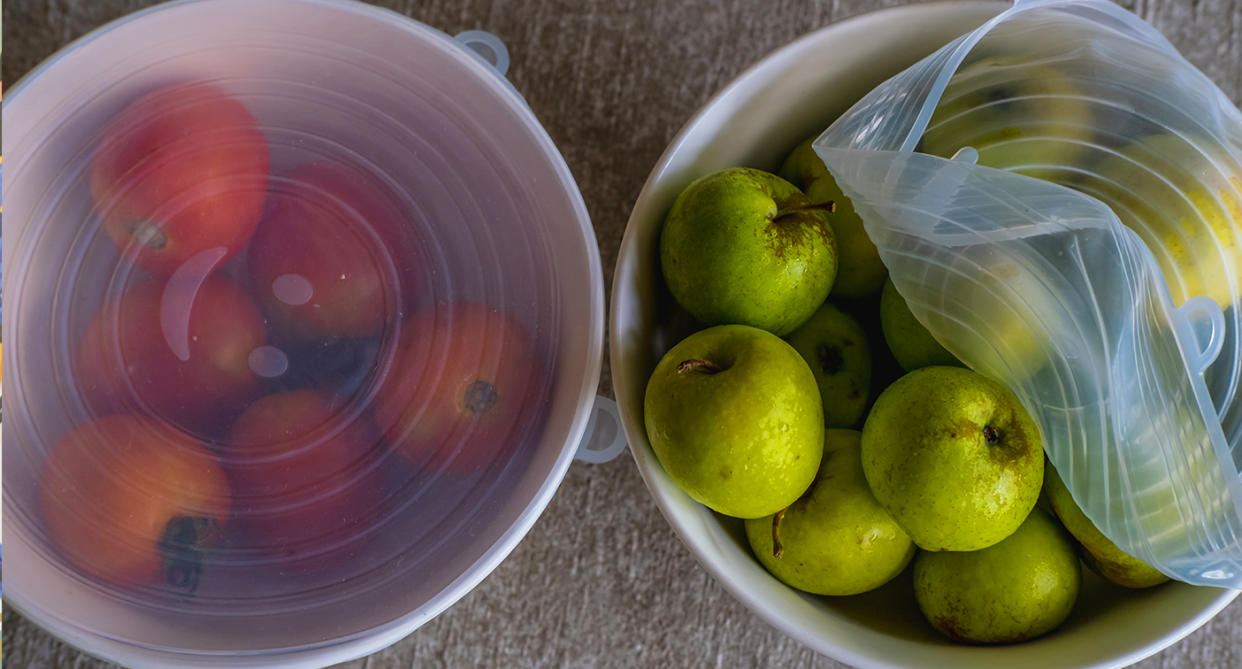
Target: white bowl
[[755, 121]]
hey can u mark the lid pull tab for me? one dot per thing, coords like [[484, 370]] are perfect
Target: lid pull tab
[[966, 154], [604, 439], [1201, 331], [486, 46]]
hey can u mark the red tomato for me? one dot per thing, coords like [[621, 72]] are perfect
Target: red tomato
[[131, 501], [180, 348], [181, 171], [333, 256], [459, 388], [306, 480]]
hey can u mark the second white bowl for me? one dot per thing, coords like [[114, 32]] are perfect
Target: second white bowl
[[755, 121]]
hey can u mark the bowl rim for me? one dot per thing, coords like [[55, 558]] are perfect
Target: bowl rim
[[346, 648], [623, 386]]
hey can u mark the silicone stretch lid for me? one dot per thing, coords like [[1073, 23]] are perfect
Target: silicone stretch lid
[[1058, 197], [305, 320]]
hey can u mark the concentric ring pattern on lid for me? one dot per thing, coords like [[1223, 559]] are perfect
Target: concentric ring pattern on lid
[[339, 414]]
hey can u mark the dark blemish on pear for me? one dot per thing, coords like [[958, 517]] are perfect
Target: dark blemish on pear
[[480, 396], [789, 228], [951, 629], [1007, 446], [1000, 98], [830, 359]]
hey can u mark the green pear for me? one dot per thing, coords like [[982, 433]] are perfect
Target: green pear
[[1019, 589], [1024, 117], [735, 419], [1099, 552], [1044, 503], [742, 246], [861, 272], [1003, 345], [836, 539], [1176, 498], [835, 346], [954, 457], [884, 366], [1016, 349], [1184, 203], [912, 345]]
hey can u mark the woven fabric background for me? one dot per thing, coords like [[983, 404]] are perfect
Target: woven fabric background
[[601, 580]]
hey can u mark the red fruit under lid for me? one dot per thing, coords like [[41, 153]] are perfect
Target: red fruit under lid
[[180, 171], [306, 478], [333, 256], [462, 382], [182, 350]]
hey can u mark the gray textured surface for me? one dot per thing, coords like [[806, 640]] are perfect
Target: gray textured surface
[[601, 580]]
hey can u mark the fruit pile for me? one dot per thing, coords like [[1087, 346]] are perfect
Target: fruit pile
[[814, 406], [268, 363]]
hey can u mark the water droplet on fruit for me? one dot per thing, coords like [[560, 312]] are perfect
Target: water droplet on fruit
[[268, 361], [292, 289]]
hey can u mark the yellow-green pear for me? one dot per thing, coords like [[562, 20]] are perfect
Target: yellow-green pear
[[1098, 551], [860, 272], [1019, 589], [836, 539], [734, 417]]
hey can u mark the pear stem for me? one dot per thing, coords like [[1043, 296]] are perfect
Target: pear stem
[[829, 206], [777, 548], [697, 365]]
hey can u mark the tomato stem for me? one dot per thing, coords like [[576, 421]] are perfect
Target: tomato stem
[[480, 396], [182, 547], [148, 234]]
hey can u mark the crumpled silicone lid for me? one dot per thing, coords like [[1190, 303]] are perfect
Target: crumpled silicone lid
[[1058, 197]]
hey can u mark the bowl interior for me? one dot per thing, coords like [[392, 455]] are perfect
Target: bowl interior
[[790, 95], [501, 223]]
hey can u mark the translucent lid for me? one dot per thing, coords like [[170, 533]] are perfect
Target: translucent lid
[[304, 317], [1058, 196]]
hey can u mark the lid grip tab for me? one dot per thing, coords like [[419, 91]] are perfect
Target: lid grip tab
[[604, 439], [1201, 325], [486, 46]]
